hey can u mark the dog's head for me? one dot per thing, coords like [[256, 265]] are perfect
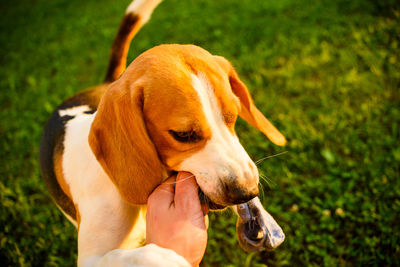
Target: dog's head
[[175, 108]]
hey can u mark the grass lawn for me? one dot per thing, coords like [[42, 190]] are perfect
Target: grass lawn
[[326, 72]]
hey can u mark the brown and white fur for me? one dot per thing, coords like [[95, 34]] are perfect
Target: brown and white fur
[[174, 108]]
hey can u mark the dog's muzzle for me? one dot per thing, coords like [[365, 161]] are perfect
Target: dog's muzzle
[[256, 229]]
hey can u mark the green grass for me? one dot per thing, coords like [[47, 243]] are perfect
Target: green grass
[[327, 73]]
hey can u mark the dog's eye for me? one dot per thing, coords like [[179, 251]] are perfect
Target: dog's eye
[[185, 137]]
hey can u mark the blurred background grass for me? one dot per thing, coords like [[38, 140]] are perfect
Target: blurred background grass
[[326, 72]]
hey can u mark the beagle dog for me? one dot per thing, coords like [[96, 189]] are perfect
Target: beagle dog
[[173, 109]]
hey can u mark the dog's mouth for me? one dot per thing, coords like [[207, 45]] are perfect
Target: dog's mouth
[[256, 228], [204, 199]]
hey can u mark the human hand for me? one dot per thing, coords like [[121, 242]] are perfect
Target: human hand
[[175, 218]]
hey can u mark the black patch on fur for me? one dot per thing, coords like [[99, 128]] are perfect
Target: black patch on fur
[[121, 40], [52, 142], [52, 139], [81, 99]]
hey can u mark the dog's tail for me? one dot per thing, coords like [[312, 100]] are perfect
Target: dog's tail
[[136, 15]]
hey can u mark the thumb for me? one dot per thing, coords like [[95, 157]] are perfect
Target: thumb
[[185, 184], [186, 189], [163, 194]]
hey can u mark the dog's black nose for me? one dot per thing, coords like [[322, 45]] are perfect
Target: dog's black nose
[[237, 194]]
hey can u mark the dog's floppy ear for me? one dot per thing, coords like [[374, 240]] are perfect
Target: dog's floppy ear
[[120, 142], [249, 111]]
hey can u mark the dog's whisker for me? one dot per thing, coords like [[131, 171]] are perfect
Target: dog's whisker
[[264, 181], [268, 180], [263, 178], [261, 188], [175, 182], [268, 157]]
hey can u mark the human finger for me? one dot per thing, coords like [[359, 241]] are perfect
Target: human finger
[[186, 191], [185, 183], [164, 193], [169, 184]]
